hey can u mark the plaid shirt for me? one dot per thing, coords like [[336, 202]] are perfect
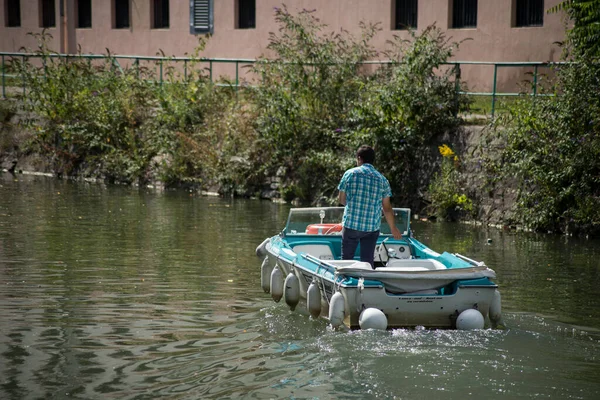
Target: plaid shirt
[[365, 189]]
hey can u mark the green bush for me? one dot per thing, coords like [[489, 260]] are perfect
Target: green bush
[[129, 125], [313, 104], [304, 97], [551, 145], [583, 33], [8, 142], [7, 110], [86, 112], [444, 192], [407, 105], [318, 102], [181, 134], [552, 149]]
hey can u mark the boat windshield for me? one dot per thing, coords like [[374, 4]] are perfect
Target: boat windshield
[[327, 221]]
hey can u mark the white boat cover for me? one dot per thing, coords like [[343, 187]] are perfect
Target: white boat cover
[[413, 277]]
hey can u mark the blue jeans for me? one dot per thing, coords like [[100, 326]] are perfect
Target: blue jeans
[[367, 240]]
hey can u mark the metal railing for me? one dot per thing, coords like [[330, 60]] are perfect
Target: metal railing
[[497, 65], [211, 62], [117, 59]]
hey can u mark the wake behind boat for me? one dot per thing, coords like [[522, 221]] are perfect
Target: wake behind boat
[[411, 285]]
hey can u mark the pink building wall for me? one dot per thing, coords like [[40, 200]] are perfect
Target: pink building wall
[[494, 38]]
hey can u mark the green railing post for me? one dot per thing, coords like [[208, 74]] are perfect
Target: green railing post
[[3, 78], [456, 86], [117, 65], [136, 63], [210, 70], [237, 82], [494, 89], [185, 70], [23, 76], [535, 74], [45, 69], [161, 73]]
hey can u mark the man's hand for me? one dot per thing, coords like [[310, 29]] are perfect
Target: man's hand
[[396, 232]]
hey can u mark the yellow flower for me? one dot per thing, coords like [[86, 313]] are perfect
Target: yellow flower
[[446, 151]]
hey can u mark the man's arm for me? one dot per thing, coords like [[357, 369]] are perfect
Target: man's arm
[[388, 212], [342, 198]]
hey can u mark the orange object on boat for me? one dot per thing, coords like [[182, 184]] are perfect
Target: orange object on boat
[[323, 229]]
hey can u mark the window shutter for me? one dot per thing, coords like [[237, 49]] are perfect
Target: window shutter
[[201, 16]]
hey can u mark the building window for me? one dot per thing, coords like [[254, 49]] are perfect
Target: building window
[[121, 14], [47, 14], [529, 13], [246, 14], [84, 13], [160, 14], [12, 11], [464, 14], [201, 16], [406, 14]]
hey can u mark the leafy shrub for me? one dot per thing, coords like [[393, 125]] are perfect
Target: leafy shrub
[[87, 112], [7, 111], [583, 35], [313, 104], [304, 97], [552, 148], [128, 125], [181, 133], [8, 142], [445, 193], [408, 104], [317, 103], [551, 145]]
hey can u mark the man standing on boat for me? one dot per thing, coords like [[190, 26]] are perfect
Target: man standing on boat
[[365, 192]]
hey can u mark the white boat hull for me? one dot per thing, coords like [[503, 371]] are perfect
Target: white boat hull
[[401, 310]]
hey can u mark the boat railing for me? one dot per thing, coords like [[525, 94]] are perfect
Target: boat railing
[[470, 261], [317, 260]]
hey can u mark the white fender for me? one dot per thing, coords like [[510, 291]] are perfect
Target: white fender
[[496, 310], [336, 309], [291, 291], [372, 318], [276, 284], [265, 275], [261, 250], [313, 299], [470, 319]]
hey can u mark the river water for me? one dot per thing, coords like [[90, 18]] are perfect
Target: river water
[[114, 292]]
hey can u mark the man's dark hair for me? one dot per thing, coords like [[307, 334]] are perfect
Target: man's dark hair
[[366, 154]]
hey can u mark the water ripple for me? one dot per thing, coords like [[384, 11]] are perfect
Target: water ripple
[[108, 292]]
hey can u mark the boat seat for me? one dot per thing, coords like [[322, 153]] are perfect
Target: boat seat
[[415, 265], [410, 265], [320, 251]]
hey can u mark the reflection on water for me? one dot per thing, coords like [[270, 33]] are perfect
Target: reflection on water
[[126, 293]]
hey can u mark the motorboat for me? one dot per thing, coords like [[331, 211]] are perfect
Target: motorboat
[[409, 285]]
